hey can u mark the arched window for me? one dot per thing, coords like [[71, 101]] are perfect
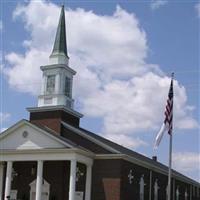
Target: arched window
[[67, 86], [142, 184], [50, 87], [177, 193], [186, 195], [156, 190], [130, 177]]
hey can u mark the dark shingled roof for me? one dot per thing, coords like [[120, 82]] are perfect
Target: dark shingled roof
[[131, 153], [117, 147], [52, 132], [60, 44]]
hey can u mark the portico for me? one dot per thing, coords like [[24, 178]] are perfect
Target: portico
[[73, 157]]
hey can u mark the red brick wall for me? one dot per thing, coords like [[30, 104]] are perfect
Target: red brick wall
[[106, 180], [112, 188], [53, 119], [131, 191]]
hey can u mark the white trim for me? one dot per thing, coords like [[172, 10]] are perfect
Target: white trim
[[55, 66], [72, 181], [39, 180], [58, 58], [81, 133], [47, 154], [55, 108], [8, 179], [88, 183], [24, 122]]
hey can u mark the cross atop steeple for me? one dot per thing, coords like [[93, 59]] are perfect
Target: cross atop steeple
[[59, 54]]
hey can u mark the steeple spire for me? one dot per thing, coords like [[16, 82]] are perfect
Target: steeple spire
[[60, 44]]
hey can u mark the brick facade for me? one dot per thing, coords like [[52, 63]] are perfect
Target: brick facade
[[53, 119]]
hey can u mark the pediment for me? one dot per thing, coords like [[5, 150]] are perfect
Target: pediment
[[25, 135]]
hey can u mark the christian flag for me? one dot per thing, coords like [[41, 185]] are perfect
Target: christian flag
[[168, 122]]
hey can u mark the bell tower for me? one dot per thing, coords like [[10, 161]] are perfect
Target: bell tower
[[55, 102], [57, 80]]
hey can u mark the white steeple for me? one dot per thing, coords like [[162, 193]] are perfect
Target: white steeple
[[57, 81]]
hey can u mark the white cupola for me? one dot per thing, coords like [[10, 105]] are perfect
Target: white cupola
[[57, 80]]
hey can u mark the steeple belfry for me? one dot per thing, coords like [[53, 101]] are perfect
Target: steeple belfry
[[57, 81], [59, 54]]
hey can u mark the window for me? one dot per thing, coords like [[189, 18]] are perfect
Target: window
[[142, 184], [50, 84], [67, 86], [177, 193], [156, 188], [186, 195]]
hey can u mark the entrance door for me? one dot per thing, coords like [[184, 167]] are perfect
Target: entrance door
[[13, 195], [79, 196], [45, 190], [45, 196]]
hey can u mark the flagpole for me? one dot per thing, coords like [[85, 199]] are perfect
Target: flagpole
[[170, 166], [170, 158]]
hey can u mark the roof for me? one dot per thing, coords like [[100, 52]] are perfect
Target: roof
[[114, 148], [60, 44], [125, 151], [52, 132]]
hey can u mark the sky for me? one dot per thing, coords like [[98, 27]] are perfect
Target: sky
[[124, 53]]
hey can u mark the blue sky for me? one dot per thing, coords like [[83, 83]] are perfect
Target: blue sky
[[124, 53]]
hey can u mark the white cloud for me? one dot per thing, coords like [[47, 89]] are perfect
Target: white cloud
[[197, 7], [4, 116], [113, 82], [155, 4], [134, 105], [126, 140], [187, 162]]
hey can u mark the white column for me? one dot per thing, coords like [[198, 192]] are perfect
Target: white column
[[39, 180], [88, 182], [1, 180], [72, 182], [8, 179]]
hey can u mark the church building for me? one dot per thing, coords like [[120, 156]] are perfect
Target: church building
[[50, 157]]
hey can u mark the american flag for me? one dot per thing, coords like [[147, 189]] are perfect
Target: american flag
[[168, 122], [169, 109]]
